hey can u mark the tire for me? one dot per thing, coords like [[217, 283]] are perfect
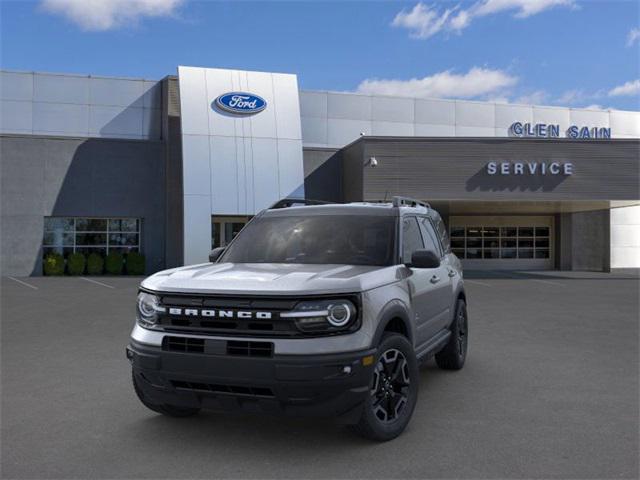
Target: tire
[[393, 390], [454, 354], [168, 410]]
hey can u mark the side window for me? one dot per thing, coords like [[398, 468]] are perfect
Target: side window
[[411, 238], [444, 236], [430, 239]]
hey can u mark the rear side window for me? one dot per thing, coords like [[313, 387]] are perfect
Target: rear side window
[[431, 241], [442, 233], [411, 238]]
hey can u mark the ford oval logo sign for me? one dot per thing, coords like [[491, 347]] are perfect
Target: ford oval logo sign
[[240, 103]]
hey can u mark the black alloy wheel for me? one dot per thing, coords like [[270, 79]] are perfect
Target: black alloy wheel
[[393, 391], [390, 389]]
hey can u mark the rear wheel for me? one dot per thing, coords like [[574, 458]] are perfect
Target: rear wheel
[[454, 354], [169, 410], [393, 390]]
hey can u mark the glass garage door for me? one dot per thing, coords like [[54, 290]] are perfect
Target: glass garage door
[[503, 242]]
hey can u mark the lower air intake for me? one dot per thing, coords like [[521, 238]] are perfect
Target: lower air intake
[[228, 389]]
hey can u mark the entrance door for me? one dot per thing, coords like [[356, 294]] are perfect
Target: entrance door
[[503, 243]]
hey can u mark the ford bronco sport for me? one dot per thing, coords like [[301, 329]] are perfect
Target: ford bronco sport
[[313, 309]]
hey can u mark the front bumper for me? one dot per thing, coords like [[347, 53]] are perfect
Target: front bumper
[[333, 385]]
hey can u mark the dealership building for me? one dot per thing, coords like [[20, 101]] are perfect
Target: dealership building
[[176, 166]]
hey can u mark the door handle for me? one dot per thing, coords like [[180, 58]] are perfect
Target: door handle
[[435, 279], [452, 273]]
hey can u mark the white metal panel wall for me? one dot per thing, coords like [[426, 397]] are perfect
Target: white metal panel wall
[[625, 237], [79, 106], [333, 119], [236, 164]]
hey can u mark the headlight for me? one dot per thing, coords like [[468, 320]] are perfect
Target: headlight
[[323, 316], [148, 309]]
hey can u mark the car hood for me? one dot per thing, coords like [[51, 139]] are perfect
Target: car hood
[[271, 278]]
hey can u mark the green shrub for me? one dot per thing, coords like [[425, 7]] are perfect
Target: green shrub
[[53, 264], [95, 264], [76, 263], [113, 263], [135, 263]]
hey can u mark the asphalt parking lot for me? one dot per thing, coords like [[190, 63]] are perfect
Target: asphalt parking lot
[[550, 390]]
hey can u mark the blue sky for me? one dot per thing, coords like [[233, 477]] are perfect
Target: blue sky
[[559, 52]]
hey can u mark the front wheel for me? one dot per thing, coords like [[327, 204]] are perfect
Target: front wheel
[[453, 355], [393, 390]]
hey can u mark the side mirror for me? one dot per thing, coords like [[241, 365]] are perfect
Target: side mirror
[[215, 254], [424, 259]]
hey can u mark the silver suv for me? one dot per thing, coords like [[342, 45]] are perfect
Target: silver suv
[[313, 309]]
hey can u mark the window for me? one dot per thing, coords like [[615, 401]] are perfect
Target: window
[[317, 239], [411, 238], [65, 235], [431, 241], [442, 233], [224, 229], [490, 242]]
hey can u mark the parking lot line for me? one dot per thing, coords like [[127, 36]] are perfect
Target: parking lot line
[[97, 282], [479, 283], [23, 283]]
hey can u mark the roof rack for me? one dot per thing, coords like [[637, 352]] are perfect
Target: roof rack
[[409, 202], [295, 202]]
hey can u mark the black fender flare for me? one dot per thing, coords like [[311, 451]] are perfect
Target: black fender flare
[[393, 309], [459, 295]]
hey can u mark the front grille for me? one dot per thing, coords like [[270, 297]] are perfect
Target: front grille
[[274, 326], [243, 316], [250, 349], [228, 389]]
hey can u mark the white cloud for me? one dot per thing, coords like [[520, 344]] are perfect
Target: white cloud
[[100, 15], [475, 83], [571, 97], [629, 88], [524, 8], [538, 97], [595, 106], [423, 21], [633, 36]]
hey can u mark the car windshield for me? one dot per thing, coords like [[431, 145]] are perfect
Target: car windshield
[[337, 239]]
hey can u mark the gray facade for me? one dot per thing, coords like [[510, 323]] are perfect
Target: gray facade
[[456, 169], [47, 176]]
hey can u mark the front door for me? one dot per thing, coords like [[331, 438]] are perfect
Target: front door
[[428, 287]]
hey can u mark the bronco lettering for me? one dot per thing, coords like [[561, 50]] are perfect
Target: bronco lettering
[[192, 312]]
